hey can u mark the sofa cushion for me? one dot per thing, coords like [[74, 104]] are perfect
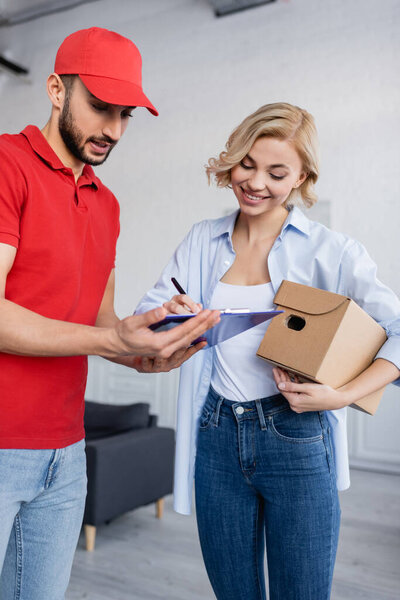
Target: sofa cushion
[[102, 420]]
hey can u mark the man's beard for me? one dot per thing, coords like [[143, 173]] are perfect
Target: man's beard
[[74, 139]]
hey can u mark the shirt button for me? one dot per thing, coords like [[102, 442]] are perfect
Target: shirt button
[[227, 262], [239, 410]]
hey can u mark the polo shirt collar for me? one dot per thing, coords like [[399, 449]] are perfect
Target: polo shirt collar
[[295, 219], [42, 148], [88, 177]]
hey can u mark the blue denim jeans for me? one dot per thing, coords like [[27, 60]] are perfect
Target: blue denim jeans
[[265, 476], [42, 498]]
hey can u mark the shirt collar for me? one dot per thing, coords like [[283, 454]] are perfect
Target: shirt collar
[[224, 225], [42, 148], [295, 219]]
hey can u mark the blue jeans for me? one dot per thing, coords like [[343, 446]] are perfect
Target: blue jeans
[[265, 476], [42, 498]]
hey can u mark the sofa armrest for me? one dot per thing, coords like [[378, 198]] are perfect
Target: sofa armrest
[[128, 470], [153, 420]]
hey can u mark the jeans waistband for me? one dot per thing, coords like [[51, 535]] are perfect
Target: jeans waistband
[[253, 409]]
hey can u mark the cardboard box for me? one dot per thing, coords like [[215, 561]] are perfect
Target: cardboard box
[[322, 337]]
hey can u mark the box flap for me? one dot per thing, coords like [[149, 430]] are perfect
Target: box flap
[[306, 299]]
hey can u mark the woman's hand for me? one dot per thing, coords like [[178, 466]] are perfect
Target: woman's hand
[[304, 397], [182, 304]]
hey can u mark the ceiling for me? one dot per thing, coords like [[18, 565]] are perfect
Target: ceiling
[[18, 11]]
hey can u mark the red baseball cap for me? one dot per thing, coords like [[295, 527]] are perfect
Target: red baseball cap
[[109, 65]]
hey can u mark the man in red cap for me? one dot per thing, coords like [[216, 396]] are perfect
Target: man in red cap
[[58, 230]]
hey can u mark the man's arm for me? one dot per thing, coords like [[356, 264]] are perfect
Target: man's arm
[[106, 316], [24, 332]]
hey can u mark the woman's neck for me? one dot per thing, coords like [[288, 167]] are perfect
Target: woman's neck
[[261, 227]]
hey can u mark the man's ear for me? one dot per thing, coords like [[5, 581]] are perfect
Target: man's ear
[[56, 91]]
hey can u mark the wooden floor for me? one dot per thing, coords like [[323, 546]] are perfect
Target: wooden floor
[[138, 557]]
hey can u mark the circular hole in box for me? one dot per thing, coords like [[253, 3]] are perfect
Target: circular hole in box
[[295, 322]]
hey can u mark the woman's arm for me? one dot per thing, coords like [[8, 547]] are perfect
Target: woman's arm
[[304, 397], [358, 280]]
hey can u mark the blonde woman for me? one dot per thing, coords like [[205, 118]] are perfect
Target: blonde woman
[[268, 455]]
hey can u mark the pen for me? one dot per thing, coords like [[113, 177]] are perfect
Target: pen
[[180, 290], [234, 311], [178, 285]]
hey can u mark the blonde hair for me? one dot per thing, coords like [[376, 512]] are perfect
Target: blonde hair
[[279, 120]]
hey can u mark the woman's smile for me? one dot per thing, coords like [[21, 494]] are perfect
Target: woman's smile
[[251, 198]]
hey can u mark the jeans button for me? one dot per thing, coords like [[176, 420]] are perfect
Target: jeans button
[[239, 410]]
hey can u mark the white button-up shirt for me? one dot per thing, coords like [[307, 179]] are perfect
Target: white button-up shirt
[[305, 252]]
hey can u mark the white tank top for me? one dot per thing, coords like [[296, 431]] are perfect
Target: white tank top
[[238, 373]]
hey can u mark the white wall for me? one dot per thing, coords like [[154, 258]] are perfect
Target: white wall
[[337, 58]]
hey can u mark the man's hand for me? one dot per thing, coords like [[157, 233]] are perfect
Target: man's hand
[[147, 364], [132, 335], [305, 397]]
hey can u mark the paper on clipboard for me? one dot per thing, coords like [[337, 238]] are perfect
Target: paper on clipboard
[[232, 323]]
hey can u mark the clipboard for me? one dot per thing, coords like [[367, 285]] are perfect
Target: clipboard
[[232, 323]]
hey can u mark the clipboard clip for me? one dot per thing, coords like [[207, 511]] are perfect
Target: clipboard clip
[[233, 311]]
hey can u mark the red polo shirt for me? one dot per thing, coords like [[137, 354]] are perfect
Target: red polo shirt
[[65, 234]]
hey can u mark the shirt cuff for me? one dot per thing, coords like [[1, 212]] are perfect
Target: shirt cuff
[[391, 351]]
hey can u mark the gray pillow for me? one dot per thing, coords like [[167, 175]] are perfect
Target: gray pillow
[[102, 420]]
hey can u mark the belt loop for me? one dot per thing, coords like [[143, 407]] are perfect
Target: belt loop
[[217, 409], [261, 415]]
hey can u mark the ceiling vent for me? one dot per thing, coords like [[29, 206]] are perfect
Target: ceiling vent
[[226, 7]]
